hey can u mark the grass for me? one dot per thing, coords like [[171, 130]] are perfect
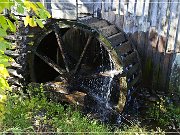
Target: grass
[[38, 114], [35, 113]]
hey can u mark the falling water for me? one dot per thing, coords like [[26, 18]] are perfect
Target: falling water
[[100, 88], [110, 81]]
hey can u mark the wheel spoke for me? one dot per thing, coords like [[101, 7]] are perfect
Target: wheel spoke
[[50, 62], [82, 54], [60, 44], [57, 56]]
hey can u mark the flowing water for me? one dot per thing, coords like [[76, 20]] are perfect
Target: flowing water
[[100, 88]]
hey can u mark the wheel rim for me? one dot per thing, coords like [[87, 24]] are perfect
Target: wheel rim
[[70, 63]]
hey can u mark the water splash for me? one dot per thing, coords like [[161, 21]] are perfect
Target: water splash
[[110, 81], [100, 88]]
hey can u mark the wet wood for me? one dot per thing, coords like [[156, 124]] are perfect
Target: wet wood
[[134, 81], [129, 59], [124, 48], [60, 43], [132, 70], [117, 39]]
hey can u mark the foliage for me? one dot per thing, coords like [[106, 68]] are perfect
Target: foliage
[[166, 113], [35, 12], [6, 25], [38, 114]]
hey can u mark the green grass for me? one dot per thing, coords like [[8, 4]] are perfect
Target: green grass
[[35, 113]]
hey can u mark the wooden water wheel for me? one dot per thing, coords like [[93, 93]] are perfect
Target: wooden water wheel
[[76, 52]]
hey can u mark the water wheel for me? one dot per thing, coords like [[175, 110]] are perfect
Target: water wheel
[[89, 54]]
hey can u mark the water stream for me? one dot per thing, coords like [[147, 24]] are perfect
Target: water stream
[[100, 88]]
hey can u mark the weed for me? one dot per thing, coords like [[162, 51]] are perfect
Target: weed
[[167, 113]]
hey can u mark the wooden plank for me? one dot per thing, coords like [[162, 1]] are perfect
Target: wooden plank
[[131, 4], [125, 14], [139, 7], [177, 37], [169, 68], [142, 44], [167, 47], [124, 48], [117, 39], [146, 60], [134, 29], [159, 44], [99, 24], [132, 70], [107, 5], [175, 75], [119, 8], [154, 12], [134, 81], [109, 30], [172, 24], [131, 58], [149, 42], [142, 31], [113, 5], [164, 72]]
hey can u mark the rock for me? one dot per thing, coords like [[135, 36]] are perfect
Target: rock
[[154, 98], [60, 87], [15, 65], [59, 91], [75, 97], [12, 54], [14, 73], [13, 81]]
